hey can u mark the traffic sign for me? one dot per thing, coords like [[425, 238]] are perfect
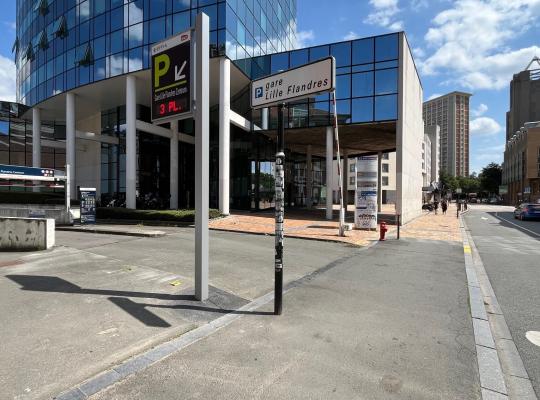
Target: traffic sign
[[294, 84], [171, 78]]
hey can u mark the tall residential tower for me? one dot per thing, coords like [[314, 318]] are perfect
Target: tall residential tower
[[451, 113]]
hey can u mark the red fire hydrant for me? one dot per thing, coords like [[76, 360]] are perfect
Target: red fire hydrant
[[382, 231]]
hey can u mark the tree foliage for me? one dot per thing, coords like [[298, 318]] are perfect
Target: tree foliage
[[491, 178]]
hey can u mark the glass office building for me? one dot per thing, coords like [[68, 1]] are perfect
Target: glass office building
[[80, 62]]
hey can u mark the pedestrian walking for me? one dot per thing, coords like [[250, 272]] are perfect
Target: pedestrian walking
[[444, 207], [436, 206]]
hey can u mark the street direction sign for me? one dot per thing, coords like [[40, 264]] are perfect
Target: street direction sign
[[25, 173], [294, 84], [171, 78]]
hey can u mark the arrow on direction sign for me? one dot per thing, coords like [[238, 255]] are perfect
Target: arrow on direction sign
[[178, 73]]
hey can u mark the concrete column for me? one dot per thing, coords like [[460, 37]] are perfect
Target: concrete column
[[264, 119], [70, 142], [131, 142], [173, 203], [36, 137], [309, 177], [224, 133], [379, 182], [329, 170], [345, 179]]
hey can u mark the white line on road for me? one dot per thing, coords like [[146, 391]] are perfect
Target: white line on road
[[519, 226]]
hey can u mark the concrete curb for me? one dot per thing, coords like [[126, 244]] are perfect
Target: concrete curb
[[112, 232], [144, 360], [502, 374]]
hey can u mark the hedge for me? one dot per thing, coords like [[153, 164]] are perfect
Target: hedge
[[151, 215], [13, 197]]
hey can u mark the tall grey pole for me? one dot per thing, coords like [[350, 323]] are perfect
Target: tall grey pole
[[280, 211], [202, 143]]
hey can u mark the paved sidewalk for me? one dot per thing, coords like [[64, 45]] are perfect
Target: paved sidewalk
[[390, 323]]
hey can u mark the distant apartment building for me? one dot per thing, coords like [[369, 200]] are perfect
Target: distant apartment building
[[426, 161], [431, 154], [521, 167], [524, 98], [451, 113]]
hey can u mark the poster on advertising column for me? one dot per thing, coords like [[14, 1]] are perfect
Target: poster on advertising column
[[365, 212]]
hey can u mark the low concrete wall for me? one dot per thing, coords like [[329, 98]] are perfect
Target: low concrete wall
[[56, 212], [26, 234]]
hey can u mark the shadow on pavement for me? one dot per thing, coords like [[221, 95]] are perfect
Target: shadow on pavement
[[507, 217], [53, 284]]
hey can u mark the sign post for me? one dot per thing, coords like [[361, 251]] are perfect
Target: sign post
[[177, 95], [278, 89]]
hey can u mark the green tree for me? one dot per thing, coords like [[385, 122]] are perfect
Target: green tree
[[491, 178], [447, 181]]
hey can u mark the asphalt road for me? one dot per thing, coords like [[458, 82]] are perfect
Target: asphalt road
[[510, 251]]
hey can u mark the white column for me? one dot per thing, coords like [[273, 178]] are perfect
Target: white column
[[264, 119], [329, 171], [70, 143], [309, 177], [131, 141], [202, 144], [379, 182], [224, 133], [173, 205], [345, 179]]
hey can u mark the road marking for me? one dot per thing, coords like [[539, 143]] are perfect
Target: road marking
[[467, 249], [533, 337], [485, 219], [519, 226]]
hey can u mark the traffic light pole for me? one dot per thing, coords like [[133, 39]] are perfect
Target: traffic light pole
[[280, 210]]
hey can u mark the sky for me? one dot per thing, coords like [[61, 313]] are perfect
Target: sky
[[473, 46]]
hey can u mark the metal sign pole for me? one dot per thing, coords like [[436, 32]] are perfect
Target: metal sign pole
[[340, 175], [280, 210], [67, 189]]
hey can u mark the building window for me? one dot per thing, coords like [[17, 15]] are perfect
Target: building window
[[385, 167], [352, 167], [351, 180], [385, 156], [385, 181]]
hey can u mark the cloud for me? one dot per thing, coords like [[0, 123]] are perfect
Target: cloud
[[7, 79], [490, 153], [384, 14], [481, 110], [351, 36], [484, 126], [418, 4], [303, 38], [484, 62], [434, 96]]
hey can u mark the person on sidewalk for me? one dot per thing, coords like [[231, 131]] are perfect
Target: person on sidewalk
[[436, 206], [444, 207]]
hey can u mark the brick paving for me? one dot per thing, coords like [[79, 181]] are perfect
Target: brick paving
[[311, 224]]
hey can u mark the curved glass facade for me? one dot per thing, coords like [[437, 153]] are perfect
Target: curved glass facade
[[63, 44]]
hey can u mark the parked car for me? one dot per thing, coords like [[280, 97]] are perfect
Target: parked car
[[527, 211]]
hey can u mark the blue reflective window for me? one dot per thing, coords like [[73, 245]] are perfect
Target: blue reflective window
[[117, 18], [135, 12], [211, 11], [316, 53], [99, 7], [342, 53], [135, 59], [362, 68], [385, 107], [135, 35], [386, 64], [181, 22], [70, 79], [386, 81], [99, 47], [84, 10], [157, 8], [343, 111], [386, 47], [157, 30], [84, 32], [362, 51], [299, 57], [362, 110], [99, 69], [99, 25], [180, 5], [84, 75], [117, 42], [362, 84], [280, 62], [319, 114], [240, 33], [343, 86]]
